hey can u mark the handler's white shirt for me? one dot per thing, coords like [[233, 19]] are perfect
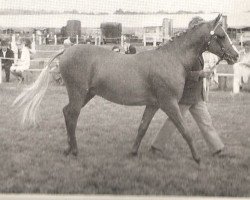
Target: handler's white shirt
[[24, 62], [210, 59]]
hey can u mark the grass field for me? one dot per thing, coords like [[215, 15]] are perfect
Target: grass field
[[31, 159]]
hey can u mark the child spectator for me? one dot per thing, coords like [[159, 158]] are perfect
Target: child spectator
[[23, 61]]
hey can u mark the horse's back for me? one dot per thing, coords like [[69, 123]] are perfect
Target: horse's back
[[116, 77]]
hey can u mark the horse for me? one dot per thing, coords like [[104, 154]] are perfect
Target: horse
[[241, 72], [153, 78]]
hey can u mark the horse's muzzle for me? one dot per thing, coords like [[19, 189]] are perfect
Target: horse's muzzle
[[231, 59]]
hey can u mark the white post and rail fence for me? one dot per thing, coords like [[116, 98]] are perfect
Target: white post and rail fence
[[41, 61], [32, 69], [39, 39]]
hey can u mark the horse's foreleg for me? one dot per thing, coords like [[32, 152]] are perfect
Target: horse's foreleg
[[171, 108], [71, 113], [148, 114]]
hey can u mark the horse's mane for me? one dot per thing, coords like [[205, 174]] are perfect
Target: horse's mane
[[180, 34]]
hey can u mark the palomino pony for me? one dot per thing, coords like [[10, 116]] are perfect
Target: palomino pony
[[153, 78]]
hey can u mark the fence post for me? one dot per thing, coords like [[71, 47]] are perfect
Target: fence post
[[236, 86], [13, 43], [13, 38], [236, 78], [33, 44], [154, 42], [95, 40], [55, 39], [144, 40], [1, 71], [40, 39], [77, 39], [122, 40], [99, 39]]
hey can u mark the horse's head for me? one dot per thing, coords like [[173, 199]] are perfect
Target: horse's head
[[219, 43]]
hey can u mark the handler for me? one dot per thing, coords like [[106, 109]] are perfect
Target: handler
[[193, 99]]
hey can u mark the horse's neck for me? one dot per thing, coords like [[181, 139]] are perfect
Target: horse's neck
[[187, 48]]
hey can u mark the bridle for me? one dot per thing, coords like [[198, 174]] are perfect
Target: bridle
[[213, 37]]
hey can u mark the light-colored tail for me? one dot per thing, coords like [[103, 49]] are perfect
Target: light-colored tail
[[30, 99]]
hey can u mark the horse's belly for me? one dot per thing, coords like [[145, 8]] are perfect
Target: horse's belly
[[129, 100], [126, 93]]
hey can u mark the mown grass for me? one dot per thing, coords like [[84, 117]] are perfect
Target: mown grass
[[31, 159]]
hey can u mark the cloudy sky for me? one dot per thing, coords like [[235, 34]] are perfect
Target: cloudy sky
[[131, 5]]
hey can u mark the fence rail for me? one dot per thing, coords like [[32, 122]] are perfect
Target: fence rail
[[40, 60]]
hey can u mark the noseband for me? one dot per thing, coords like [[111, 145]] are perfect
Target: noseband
[[215, 37]]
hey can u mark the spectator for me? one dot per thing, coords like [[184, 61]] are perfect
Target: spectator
[[5, 52], [129, 49], [116, 49], [67, 43], [23, 61]]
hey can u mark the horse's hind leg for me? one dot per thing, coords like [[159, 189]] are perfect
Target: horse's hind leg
[[71, 113], [171, 108], [148, 114]]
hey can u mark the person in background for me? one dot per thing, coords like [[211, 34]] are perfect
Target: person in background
[[116, 49], [28, 44], [193, 100], [23, 61], [67, 43], [5, 52], [128, 48]]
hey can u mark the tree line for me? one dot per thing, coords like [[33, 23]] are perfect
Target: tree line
[[74, 11], [41, 12], [121, 12]]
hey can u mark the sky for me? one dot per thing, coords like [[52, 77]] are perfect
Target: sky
[[224, 6]]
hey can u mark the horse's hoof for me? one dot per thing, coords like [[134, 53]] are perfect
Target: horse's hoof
[[217, 153], [133, 154], [155, 150], [69, 150], [74, 152], [66, 152], [197, 160]]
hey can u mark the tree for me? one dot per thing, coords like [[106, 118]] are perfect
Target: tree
[[119, 12]]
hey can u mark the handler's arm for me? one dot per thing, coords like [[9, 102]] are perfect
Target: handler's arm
[[193, 75], [196, 75]]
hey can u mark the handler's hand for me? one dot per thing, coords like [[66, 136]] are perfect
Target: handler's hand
[[206, 73]]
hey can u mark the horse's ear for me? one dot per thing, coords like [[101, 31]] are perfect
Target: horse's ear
[[217, 20]]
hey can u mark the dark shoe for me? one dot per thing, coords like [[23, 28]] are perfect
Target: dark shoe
[[155, 150], [217, 152]]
